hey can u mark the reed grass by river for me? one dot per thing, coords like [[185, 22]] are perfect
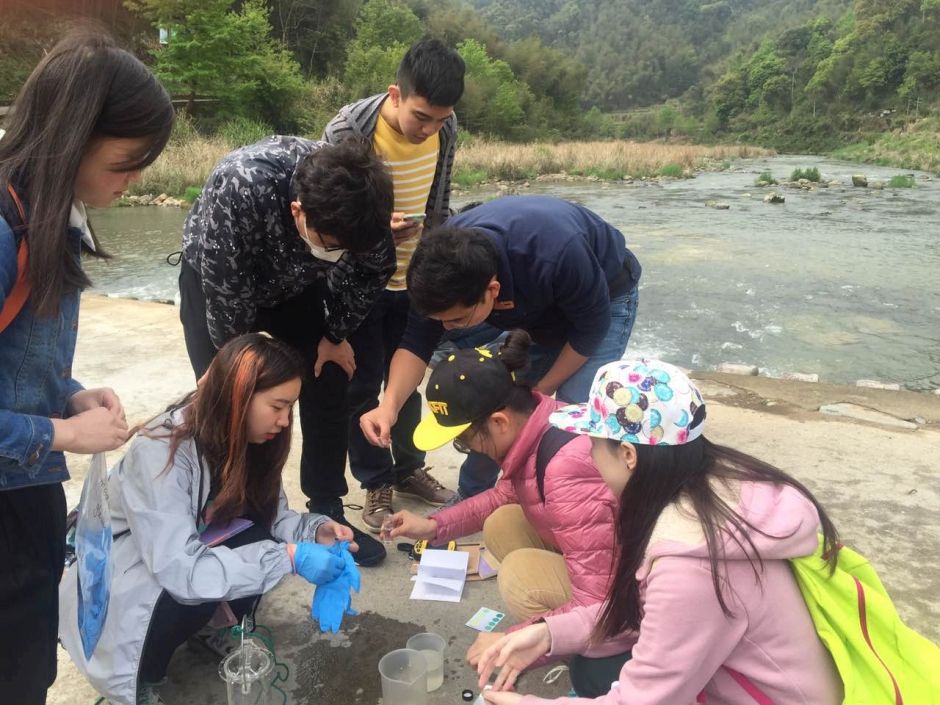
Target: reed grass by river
[[482, 160], [186, 162]]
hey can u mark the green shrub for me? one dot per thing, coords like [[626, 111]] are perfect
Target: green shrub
[[672, 170], [184, 129], [901, 182], [240, 131], [469, 177], [191, 193], [609, 174], [808, 174], [318, 105], [766, 179]]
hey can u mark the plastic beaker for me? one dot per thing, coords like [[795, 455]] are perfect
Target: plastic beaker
[[248, 673], [432, 647], [404, 677]]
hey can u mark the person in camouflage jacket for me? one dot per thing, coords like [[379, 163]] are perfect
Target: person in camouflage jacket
[[292, 237]]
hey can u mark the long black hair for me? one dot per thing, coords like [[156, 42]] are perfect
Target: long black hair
[[666, 474], [86, 87]]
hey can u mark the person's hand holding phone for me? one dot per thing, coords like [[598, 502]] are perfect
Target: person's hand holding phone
[[406, 226]]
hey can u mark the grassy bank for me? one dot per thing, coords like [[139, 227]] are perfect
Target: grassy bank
[[183, 167], [185, 164], [916, 146], [481, 160]]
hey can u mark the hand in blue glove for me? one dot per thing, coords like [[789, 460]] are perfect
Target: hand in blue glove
[[332, 601], [317, 564]]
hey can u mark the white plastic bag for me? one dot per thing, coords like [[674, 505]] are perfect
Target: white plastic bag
[[93, 554]]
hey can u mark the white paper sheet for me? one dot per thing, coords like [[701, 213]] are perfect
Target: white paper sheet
[[441, 576]]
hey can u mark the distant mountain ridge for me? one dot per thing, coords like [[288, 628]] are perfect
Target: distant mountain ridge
[[642, 52]]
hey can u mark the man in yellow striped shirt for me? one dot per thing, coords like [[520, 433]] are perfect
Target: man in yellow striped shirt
[[413, 128]]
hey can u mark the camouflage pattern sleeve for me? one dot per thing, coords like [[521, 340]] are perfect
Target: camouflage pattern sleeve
[[355, 283], [228, 227]]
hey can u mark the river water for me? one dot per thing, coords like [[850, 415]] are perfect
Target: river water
[[843, 282]]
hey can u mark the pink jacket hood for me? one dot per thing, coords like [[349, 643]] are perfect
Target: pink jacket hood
[[786, 520], [687, 649]]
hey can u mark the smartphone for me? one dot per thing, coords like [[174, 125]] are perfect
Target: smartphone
[[414, 217]]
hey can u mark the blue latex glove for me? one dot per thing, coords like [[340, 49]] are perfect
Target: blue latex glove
[[94, 585], [332, 600], [317, 564]]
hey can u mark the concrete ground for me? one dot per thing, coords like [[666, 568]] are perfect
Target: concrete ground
[[878, 478]]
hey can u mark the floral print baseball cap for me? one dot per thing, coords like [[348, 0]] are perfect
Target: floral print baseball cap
[[645, 402]]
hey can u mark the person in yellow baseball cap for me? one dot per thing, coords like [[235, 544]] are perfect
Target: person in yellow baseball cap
[[547, 519], [467, 386]]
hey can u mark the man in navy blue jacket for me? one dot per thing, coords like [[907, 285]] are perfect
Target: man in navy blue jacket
[[553, 268]]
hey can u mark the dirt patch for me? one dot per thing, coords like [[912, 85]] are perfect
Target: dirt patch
[[346, 670]]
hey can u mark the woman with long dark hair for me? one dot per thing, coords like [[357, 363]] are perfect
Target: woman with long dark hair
[[85, 124], [703, 607], [214, 457]]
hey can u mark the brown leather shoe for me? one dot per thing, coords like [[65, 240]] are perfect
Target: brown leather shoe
[[378, 506], [422, 485]]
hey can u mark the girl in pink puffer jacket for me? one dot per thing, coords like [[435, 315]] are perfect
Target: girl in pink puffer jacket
[[556, 553]]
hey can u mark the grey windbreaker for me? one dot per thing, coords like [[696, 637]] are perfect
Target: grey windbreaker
[[360, 118], [154, 515]]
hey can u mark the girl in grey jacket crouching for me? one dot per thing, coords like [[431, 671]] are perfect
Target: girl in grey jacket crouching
[[213, 458]]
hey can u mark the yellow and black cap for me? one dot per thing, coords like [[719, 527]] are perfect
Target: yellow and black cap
[[467, 386]]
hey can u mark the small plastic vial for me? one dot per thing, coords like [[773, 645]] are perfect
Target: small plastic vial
[[385, 533]]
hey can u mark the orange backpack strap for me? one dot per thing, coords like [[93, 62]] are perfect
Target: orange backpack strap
[[17, 298]]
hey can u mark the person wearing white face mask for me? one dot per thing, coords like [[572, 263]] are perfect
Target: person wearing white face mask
[[315, 243], [293, 237]]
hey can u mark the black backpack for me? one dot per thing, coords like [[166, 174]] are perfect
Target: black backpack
[[552, 441]]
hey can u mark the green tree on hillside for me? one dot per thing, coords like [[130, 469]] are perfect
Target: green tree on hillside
[[216, 52], [316, 31], [555, 77], [384, 31], [452, 21], [494, 99]]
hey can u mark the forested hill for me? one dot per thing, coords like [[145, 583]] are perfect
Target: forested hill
[[642, 52], [797, 75]]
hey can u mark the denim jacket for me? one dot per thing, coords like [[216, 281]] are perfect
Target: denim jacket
[[35, 375]]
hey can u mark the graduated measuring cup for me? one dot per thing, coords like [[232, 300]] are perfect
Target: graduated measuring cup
[[404, 677], [432, 648]]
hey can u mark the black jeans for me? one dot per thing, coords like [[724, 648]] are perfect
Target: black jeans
[[374, 343], [32, 558], [591, 677], [173, 623], [324, 411]]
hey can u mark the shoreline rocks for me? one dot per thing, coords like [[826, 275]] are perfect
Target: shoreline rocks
[[734, 368], [875, 384], [801, 377], [163, 200]]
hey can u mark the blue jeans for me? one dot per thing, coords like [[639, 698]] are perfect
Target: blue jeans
[[479, 472]]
